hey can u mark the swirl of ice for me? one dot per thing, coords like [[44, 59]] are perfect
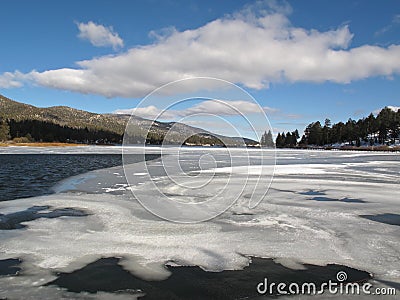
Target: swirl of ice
[[191, 190]]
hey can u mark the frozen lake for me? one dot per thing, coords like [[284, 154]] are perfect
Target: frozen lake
[[322, 207]]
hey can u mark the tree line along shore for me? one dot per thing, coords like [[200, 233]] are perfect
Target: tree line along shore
[[378, 133]]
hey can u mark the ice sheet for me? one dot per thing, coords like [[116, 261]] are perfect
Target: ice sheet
[[292, 224]]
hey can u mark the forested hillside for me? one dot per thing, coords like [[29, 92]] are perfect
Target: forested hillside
[[26, 123]]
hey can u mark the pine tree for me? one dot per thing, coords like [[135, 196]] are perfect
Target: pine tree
[[269, 141], [4, 130], [280, 140], [325, 132], [327, 123], [288, 140], [370, 124], [296, 134], [283, 140], [303, 141], [313, 133], [263, 142]]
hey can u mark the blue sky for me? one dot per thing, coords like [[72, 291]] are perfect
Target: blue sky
[[335, 59]]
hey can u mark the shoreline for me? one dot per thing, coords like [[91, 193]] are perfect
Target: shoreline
[[324, 148], [348, 148], [40, 144]]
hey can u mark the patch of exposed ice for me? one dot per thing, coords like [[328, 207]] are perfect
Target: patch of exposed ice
[[298, 169]]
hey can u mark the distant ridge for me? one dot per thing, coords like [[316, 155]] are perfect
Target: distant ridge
[[60, 115], [114, 123]]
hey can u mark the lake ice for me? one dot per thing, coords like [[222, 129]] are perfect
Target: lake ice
[[311, 214]]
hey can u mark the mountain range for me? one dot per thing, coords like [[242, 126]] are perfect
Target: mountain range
[[74, 119]]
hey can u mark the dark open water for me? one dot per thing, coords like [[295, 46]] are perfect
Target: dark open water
[[29, 175]]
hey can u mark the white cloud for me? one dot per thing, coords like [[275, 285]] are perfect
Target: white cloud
[[10, 80], [148, 112], [211, 107], [218, 116], [394, 23], [253, 48], [222, 108], [394, 108], [99, 35]]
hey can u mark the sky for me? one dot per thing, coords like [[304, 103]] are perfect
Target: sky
[[301, 61]]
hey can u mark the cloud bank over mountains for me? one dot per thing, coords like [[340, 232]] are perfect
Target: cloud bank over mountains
[[211, 107]]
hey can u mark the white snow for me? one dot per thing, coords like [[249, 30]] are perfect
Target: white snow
[[290, 224], [279, 170]]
